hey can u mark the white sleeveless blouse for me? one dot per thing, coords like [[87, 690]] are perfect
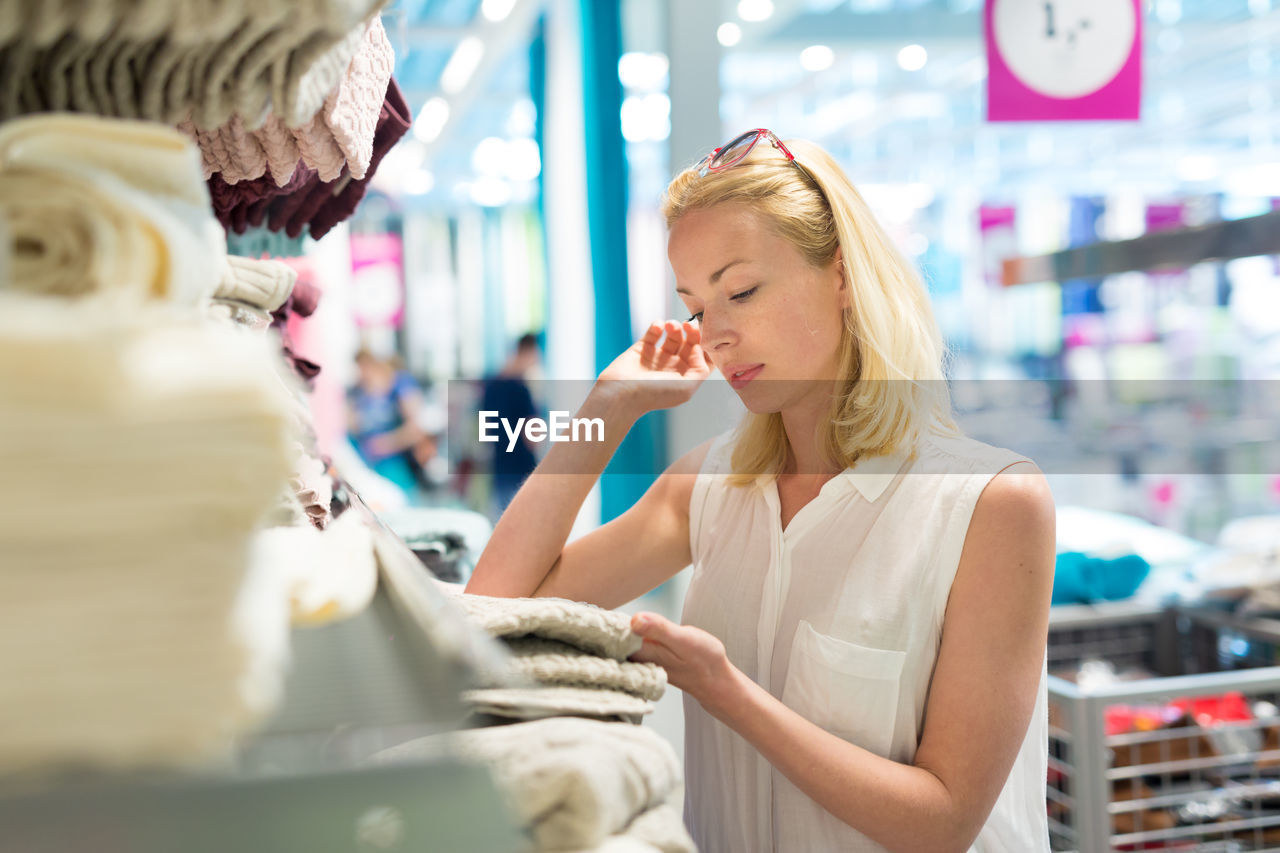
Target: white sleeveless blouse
[[839, 617]]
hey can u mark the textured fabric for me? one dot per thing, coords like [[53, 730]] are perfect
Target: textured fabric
[[238, 205], [278, 142], [660, 828], [571, 783], [161, 60], [262, 284], [532, 703], [170, 445], [351, 111], [585, 626], [553, 662], [106, 207], [393, 122], [300, 86], [839, 616]]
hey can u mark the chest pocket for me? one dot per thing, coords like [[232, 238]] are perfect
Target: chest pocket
[[847, 689]]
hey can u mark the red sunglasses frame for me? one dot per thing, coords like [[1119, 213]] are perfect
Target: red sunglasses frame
[[709, 164]]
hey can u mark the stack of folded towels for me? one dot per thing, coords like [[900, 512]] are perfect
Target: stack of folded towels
[[575, 769], [140, 453], [142, 446]]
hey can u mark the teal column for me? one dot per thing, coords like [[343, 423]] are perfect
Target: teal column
[[538, 92], [637, 461]]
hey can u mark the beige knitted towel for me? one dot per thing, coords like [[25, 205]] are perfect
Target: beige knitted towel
[[263, 284], [534, 703], [146, 446], [590, 628], [553, 662], [571, 782], [108, 207]]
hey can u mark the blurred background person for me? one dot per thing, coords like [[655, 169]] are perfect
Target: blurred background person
[[508, 394], [382, 421]]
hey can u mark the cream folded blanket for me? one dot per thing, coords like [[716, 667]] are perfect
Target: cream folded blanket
[[571, 783], [106, 207], [145, 446], [263, 284], [584, 626], [534, 703], [554, 662]]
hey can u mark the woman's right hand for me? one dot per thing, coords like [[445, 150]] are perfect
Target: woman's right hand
[[649, 375]]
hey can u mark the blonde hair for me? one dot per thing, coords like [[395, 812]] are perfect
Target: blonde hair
[[892, 357]]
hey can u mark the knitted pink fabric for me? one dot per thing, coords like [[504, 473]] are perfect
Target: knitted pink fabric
[[319, 149], [280, 147], [351, 113], [246, 155]]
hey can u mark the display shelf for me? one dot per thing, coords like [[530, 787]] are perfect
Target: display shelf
[[305, 780]]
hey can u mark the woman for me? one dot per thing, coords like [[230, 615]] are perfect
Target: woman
[[382, 415], [864, 648]]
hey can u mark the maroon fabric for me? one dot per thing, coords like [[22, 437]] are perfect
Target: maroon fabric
[[319, 205], [234, 204], [393, 122], [302, 302]]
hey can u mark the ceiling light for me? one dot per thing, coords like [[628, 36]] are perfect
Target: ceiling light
[[755, 10], [1197, 167], [729, 34], [466, 57], [489, 191], [646, 118], [523, 160], [817, 57], [912, 57], [489, 156], [646, 72], [431, 119], [419, 182], [496, 10]]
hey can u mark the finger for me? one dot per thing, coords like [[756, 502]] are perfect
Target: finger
[[649, 340], [674, 339], [692, 339], [654, 627], [652, 652]]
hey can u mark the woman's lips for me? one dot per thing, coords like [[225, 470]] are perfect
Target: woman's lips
[[740, 375]]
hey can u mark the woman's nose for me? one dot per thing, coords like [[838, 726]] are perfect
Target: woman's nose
[[716, 334]]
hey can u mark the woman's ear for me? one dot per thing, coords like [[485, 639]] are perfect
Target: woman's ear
[[842, 284]]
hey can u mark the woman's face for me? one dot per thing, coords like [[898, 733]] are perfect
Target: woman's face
[[765, 312]]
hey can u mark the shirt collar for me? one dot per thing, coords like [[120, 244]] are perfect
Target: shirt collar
[[871, 475]]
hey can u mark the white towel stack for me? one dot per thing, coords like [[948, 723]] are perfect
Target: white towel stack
[[139, 452]]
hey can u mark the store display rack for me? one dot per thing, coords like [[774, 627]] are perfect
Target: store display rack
[[1182, 786]]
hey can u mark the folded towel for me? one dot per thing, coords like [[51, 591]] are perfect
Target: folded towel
[[534, 703], [553, 662], [263, 284], [571, 783], [661, 828], [161, 60], [351, 112], [146, 447], [330, 575], [584, 626], [300, 85], [108, 207]]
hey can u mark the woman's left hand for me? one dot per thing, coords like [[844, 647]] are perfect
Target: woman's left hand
[[694, 660]]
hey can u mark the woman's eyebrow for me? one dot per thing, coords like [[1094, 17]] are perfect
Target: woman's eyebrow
[[715, 276]]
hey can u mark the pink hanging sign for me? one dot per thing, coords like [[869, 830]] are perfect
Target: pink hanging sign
[[1063, 60]]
